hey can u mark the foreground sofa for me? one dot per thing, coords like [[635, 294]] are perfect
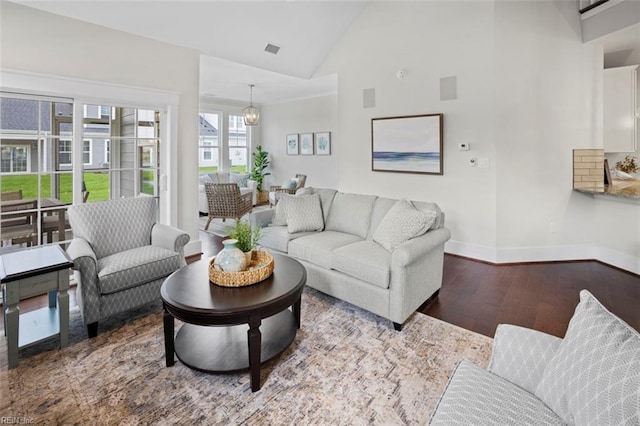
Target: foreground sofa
[[380, 254], [245, 184], [591, 377], [121, 256]]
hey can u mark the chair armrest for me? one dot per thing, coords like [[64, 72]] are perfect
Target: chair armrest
[[171, 238], [80, 248], [261, 218], [273, 188], [85, 265], [520, 354]]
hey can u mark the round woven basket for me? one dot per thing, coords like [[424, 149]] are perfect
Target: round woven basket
[[260, 268]]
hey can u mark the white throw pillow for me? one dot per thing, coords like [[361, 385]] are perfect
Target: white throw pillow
[[239, 179], [402, 223], [280, 216], [304, 214], [594, 378]]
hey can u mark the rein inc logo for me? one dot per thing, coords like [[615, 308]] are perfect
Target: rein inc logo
[[16, 420]]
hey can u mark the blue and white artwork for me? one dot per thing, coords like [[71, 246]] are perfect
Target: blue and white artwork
[[292, 144], [407, 144]]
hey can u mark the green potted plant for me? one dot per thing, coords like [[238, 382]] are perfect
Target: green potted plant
[[246, 235], [260, 163]]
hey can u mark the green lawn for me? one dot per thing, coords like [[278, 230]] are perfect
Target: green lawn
[[211, 169], [97, 184]]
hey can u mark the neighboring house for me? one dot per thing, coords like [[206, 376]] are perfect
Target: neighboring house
[[23, 125]]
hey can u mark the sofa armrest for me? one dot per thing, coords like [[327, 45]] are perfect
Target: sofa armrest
[[85, 265], [171, 238], [416, 248], [416, 273], [261, 218], [520, 354]]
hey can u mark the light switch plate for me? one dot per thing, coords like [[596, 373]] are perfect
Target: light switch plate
[[463, 146]]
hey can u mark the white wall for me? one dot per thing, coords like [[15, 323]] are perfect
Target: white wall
[[35, 41], [529, 92], [548, 93], [430, 40], [319, 114]]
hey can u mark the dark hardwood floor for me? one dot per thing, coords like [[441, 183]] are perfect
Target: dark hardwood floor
[[479, 296], [542, 296]]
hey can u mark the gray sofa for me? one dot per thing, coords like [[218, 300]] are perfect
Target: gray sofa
[[343, 259], [121, 255], [591, 377]]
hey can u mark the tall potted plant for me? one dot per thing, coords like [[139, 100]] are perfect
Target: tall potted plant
[[260, 163]]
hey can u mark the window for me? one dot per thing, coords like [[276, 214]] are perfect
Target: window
[[209, 142], [86, 152], [237, 144], [14, 159], [107, 151], [64, 152]]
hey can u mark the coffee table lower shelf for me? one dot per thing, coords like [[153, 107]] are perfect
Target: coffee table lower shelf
[[220, 349]]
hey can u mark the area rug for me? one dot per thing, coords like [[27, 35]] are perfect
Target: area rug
[[346, 366]]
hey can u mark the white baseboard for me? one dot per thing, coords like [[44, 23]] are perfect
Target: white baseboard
[[545, 254]]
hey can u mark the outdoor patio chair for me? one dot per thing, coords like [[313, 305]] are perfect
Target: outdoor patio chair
[[225, 201]]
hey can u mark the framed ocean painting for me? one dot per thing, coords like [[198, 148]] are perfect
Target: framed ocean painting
[[409, 144]]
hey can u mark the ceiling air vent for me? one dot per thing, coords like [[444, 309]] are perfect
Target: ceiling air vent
[[272, 48]]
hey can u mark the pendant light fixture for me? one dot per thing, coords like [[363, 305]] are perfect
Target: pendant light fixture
[[251, 114]]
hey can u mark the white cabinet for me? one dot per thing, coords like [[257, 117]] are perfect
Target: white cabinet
[[620, 123]]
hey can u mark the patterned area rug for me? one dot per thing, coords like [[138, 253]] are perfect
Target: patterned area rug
[[346, 366]]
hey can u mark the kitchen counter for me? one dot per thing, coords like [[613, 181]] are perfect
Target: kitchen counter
[[628, 190]]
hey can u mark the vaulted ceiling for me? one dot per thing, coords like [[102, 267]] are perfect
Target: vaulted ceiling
[[231, 36]]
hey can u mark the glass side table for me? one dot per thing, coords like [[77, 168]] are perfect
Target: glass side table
[[28, 273]]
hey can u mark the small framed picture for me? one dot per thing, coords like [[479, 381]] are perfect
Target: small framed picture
[[323, 143], [306, 144], [292, 144]]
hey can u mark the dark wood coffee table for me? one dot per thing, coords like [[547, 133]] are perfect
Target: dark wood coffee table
[[188, 296]]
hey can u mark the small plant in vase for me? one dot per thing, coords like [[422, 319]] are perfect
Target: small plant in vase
[[246, 236]]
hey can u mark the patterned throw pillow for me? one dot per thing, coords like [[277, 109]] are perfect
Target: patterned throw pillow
[[240, 179], [289, 184], [594, 378], [280, 216], [402, 223], [304, 214]]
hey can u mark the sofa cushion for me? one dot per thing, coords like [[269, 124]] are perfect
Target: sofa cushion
[[277, 237], [350, 213], [318, 247], [304, 213], [402, 223], [594, 377], [364, 260], [240, 179], [474, 396], [134, 267]]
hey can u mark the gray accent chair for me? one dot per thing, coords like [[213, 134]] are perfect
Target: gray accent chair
[[121, 256]]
